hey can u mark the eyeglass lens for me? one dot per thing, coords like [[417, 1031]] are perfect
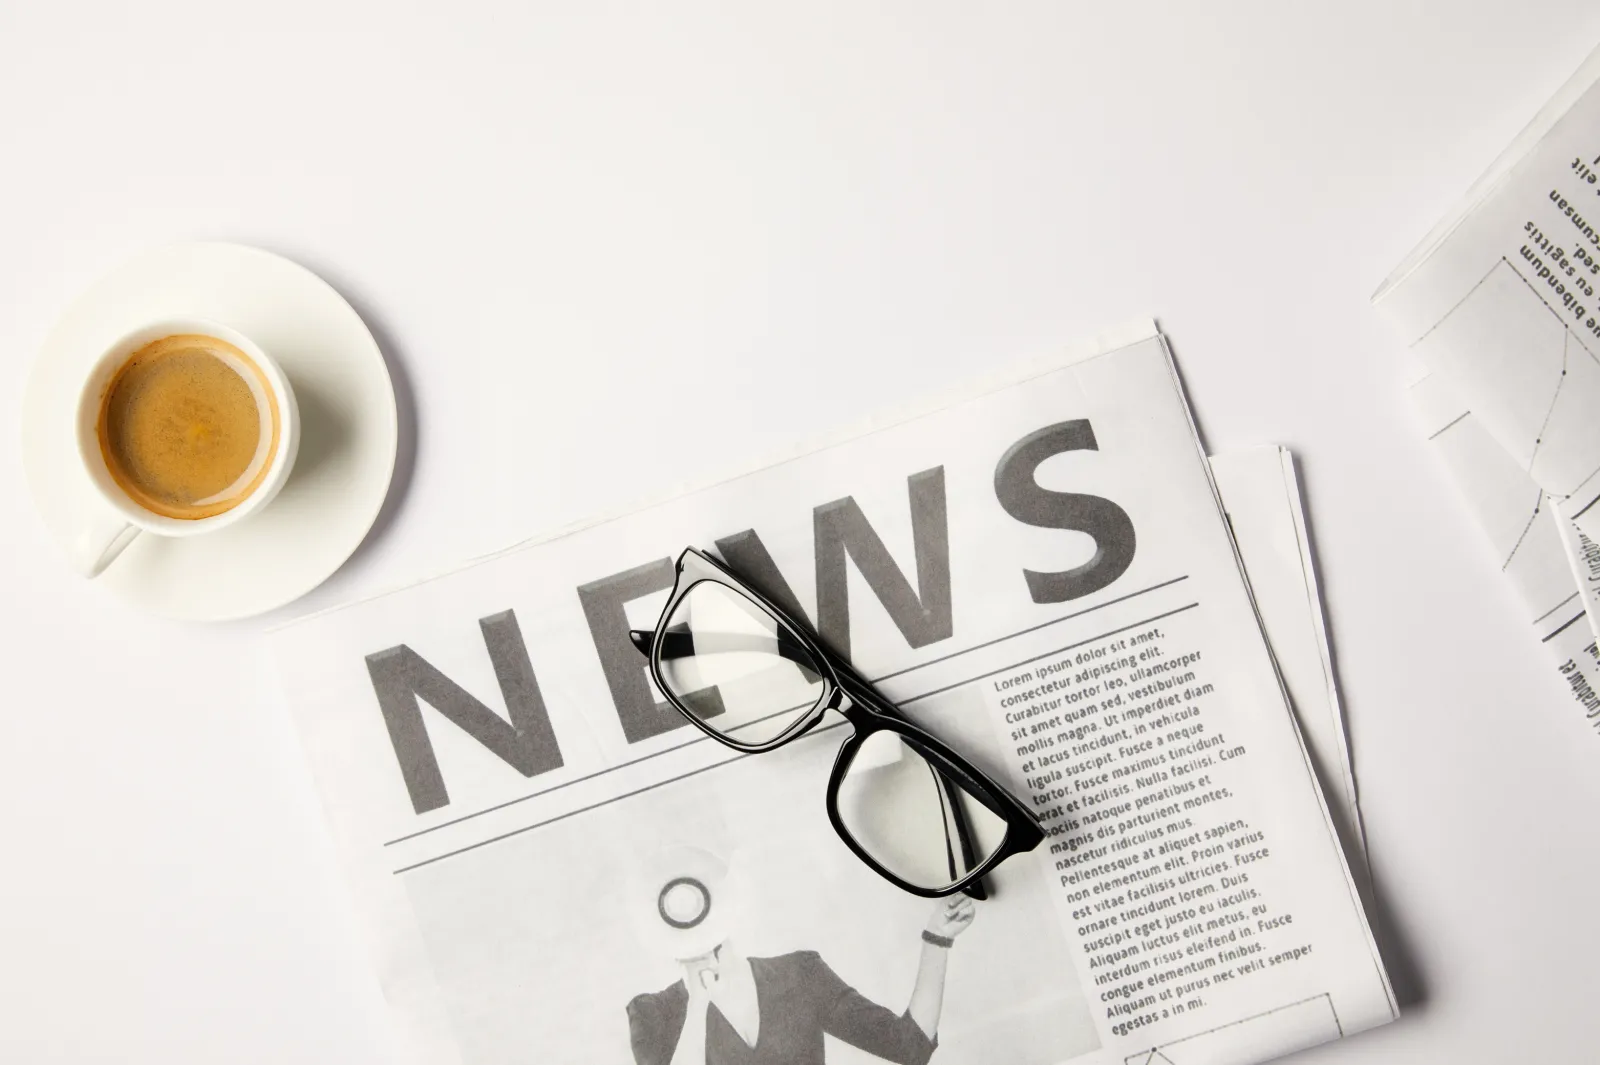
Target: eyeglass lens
[[901, 810], [765, 680]]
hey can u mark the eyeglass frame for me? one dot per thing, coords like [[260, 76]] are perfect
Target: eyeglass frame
[[867, 712]]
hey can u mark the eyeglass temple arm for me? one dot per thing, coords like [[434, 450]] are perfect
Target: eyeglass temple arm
[[684, 644]]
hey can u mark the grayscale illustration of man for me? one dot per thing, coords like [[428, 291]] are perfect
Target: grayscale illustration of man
[[729, 1009]]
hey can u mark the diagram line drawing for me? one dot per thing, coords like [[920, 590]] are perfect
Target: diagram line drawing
[[1517, 546], [1531, 518], [1553, 609], [1567, 625], [1155, 1057], [1439, 431], [1569, 336], [1566, 337], [1586, 506], [1547, 307], [1446, 316], [1163, 1054]]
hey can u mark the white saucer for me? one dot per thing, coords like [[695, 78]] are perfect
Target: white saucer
[[349, 438]]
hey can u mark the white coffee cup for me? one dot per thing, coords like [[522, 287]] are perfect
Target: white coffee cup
[[123, 518]]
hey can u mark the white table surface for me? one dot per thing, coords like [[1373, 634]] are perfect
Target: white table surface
[[556, 216]]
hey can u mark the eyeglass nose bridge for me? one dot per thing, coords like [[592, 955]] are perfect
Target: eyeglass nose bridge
[[852, 708]]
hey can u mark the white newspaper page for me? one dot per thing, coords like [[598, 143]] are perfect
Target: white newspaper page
[[1261, 496], [1040, 575], [1523, 533], [1502, 302], [1583, 554]]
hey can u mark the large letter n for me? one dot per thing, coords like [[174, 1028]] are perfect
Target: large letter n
[[527, 743]]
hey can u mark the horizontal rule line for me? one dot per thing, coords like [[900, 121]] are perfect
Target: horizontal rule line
[[707, 739], [738, 757], [596, 806]]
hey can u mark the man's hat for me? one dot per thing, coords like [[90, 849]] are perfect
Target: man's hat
[[682, 902]]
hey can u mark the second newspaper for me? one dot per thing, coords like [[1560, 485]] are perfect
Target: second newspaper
[[1039, 574]]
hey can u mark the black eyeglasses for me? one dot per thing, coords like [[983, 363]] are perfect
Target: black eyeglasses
[[749, 676]]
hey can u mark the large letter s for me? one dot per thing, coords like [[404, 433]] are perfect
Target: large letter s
[[1021, 497]]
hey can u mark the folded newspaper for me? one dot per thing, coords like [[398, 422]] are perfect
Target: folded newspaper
[[1524, 535], [1501, 303], [1501, 299], [1041, 574]]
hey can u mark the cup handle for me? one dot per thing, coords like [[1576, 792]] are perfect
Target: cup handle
[[100, 542]]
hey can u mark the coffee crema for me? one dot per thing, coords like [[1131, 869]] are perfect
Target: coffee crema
[[188, 426]]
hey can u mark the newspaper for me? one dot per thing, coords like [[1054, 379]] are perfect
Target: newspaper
[[1524, 534], [1583, 556], [1261, 497], [1039, 573], [1501, 302]]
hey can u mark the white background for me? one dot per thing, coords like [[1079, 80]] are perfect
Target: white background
[[557, 217]]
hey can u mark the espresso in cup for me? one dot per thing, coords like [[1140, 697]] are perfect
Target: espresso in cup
[[185, 427], [188, 426]]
